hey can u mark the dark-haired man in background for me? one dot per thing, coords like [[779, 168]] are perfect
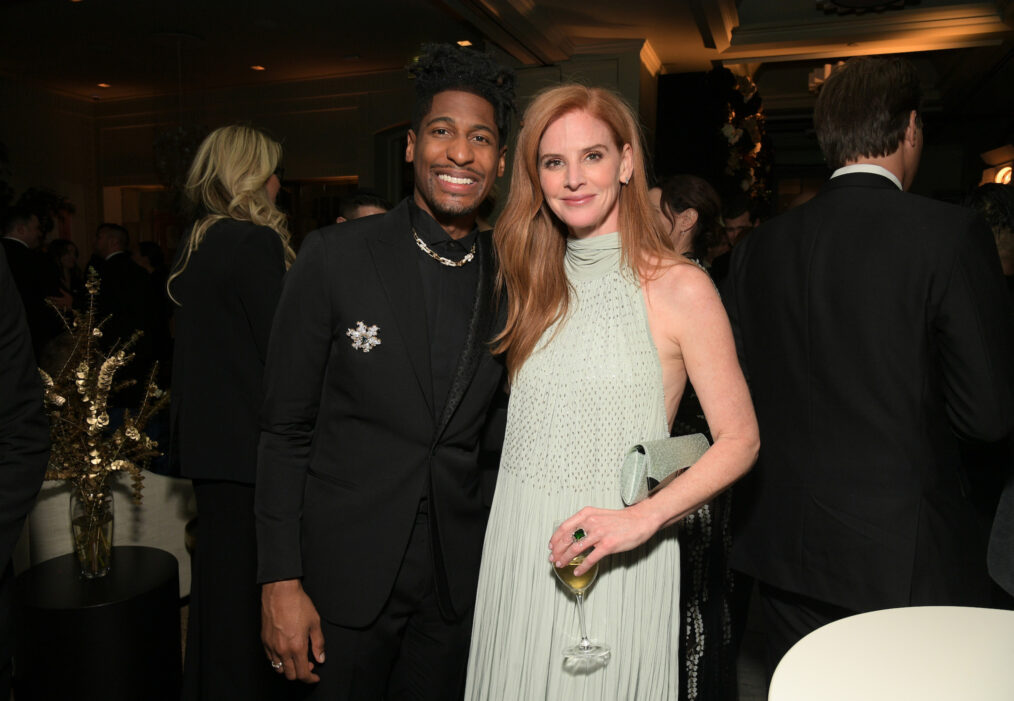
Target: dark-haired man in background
[[362, 204], [126, 299], [873, 324], [369, 503], [34, 276]]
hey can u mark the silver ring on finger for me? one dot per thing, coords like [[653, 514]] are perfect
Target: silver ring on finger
[[277, 665]]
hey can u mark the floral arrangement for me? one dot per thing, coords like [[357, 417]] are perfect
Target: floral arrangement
[[749, 155], [85, 449]]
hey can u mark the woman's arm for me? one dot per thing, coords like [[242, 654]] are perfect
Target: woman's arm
[[693, 336]]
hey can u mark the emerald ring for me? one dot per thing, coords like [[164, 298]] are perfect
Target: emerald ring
[[578, 534]]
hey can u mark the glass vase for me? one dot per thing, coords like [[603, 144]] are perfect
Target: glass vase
[[91, 519]]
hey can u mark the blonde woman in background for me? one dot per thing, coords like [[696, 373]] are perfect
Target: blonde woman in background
[[226, 283]]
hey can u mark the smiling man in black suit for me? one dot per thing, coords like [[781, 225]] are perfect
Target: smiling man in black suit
[[370, 512], [873, 324]]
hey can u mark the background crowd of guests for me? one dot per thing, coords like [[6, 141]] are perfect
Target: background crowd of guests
[[331, 407]]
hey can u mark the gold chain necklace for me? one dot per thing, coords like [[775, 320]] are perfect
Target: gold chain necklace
[[439, 258]]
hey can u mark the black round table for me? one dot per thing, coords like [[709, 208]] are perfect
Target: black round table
[[106, 639]]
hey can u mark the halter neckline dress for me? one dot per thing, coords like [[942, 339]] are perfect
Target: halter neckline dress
[[591, 389]]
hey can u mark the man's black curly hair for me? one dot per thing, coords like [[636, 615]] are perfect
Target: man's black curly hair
[[443, 67]]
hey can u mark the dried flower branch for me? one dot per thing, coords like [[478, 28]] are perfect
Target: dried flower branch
[[84, 450]]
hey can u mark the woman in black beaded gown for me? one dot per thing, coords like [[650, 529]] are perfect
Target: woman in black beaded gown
[[690, 209]]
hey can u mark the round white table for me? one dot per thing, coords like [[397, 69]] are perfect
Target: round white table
[[923, 653]]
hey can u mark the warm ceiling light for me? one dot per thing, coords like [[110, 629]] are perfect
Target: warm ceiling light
[[102, 85], [1002, 175], [464, 42], [257, 68]]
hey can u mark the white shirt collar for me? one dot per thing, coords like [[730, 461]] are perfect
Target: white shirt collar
[[11, 238], [114, 253], [868, 168]]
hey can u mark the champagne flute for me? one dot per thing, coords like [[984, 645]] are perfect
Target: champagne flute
[[586, 649]]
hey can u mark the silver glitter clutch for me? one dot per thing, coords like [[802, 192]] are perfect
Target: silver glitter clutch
[[654, 464]]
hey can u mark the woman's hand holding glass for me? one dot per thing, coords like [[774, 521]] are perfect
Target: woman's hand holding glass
[[606, 530], [578, 583]]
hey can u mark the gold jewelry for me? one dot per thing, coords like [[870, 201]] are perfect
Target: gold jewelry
[[439, 258]]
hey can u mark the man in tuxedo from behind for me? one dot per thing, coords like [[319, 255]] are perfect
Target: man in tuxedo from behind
[[24, 447], [369, 501], [873, 325], [34, 277], [126, 299]]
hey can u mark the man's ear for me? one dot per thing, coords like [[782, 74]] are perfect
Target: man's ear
[[410, 147], [912, 130]]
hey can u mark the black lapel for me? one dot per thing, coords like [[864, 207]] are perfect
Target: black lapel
[[479, 332], [395, 259]]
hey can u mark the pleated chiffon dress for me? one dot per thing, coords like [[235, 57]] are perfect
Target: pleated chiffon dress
[[591, 389]]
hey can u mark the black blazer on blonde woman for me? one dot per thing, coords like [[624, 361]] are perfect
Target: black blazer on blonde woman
[[228, 291], [228, 294]]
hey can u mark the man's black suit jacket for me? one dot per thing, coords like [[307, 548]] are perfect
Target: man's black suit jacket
[[36, 279], [24, 426], [352, 440], [24, 446], [125, 297], [871, 324]]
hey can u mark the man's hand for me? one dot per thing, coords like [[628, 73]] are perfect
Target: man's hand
[[288, 620], [63, 301]]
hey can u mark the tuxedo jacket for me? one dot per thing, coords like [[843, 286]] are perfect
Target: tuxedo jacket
[[35, 279], [872, 325], [352, 437], [1001, 541], [24, 426], [228, 293], [125, 297]]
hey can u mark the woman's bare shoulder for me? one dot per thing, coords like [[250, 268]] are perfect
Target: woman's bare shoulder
[[678, 280]]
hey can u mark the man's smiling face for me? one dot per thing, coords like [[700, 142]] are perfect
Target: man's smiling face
[[456, 156]]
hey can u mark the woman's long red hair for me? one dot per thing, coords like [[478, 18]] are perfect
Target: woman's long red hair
[[531, 241]]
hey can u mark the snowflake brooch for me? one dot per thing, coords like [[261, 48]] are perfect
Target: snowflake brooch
[[364, 338]]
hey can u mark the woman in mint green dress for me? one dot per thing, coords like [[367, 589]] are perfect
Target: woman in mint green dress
[[605, 326]]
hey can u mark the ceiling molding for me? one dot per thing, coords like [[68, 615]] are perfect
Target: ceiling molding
[[604, 47], [650, 59], [979, 24], [517, 27], [715, 20]]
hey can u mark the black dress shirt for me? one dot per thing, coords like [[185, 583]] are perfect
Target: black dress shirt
[[449, 294]]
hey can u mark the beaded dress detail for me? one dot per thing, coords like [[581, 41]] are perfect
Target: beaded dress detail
[[591, 389]]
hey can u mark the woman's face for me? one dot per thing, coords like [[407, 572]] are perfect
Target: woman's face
[[69, 258], [580, 170], [680, 229], [655, 195], [272, 186]]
